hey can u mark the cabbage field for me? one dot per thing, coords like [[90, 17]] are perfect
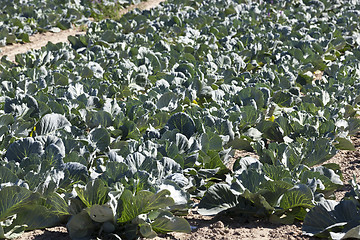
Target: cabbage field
[[120, 132], [20, 19]]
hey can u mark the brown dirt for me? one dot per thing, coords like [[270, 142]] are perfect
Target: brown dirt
[[146, 5], [58, 233], [37, 41], [349, 162], [226, 228], [204, 227]]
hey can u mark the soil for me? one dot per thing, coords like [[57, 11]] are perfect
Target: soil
[[37, 41], [203, 227]]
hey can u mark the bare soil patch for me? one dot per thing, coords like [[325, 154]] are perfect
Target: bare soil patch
[[37, 41], [58, 233], [349, 161], [228, 228], [146, 5]]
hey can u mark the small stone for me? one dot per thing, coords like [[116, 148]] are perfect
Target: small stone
[[218, 224], [217, 231]]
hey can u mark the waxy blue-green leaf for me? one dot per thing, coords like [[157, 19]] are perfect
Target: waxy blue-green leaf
[[249, 179], [101, 138], [219, 126], [218, 198], [271, 130], [8, 231], [115, 172], [57, 204], [240, 144], [252, 205], [13, 198], [353, 233], [60, 79], [283, 99], [80, 226], [6, 120], [329, 216], [250, 97], [78, 41], [318, 151], [52, 122], [142, 202], [95, 192], [37, 217], [98, 118], [101, 213], [77, 171], [211, 160], [276, 173], [134, 161], [146, 230], [6, 175], [354, 125], [272, 190], [22, 105], [165, 224], [249, 116], [182, 143], [298, 196], [168, 102], [109, 36], [247, 163], [179, 196], [328, 177], [23, 148], [210, 141], [182, 122]]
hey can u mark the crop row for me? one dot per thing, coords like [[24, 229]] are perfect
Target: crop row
[[117, 131], [20, 19]]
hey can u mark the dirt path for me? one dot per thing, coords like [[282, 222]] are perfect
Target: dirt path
[[39, 40], [146, 5]]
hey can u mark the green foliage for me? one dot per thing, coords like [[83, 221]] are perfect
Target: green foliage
[[102, 9], [116, 131], [21, 19]]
